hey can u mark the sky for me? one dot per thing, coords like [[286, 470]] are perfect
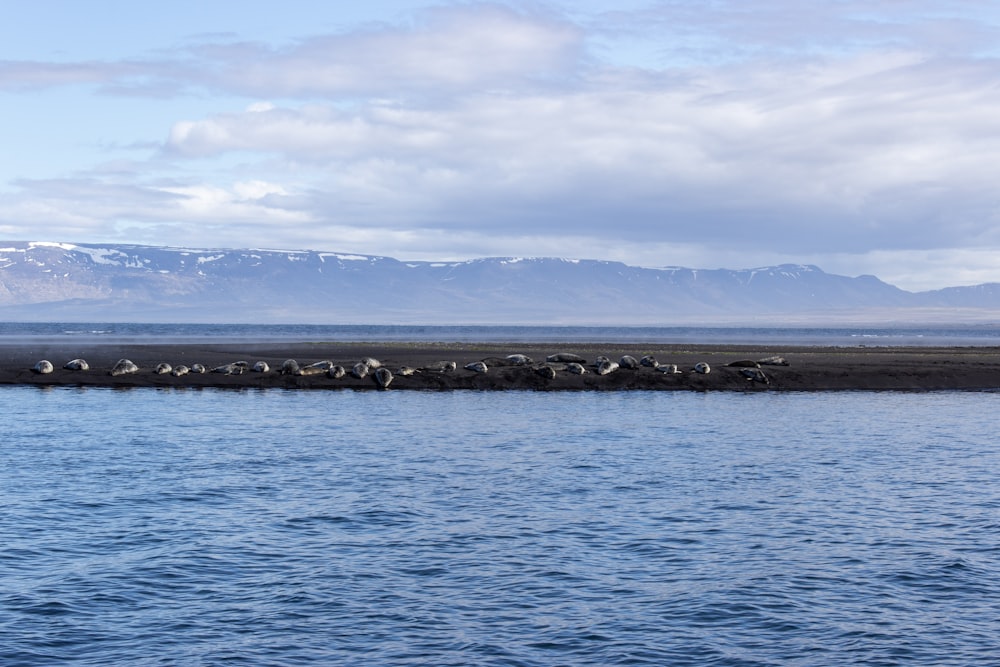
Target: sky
[[862, 136]]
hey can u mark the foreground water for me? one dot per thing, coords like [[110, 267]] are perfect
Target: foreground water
[[510, 528]]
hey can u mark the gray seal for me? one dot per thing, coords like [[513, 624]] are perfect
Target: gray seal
[[477, 367], [441, 367], [318, 368], [43, 367], [383, 377], [565, 358], [546, 372], [162, 369], [123, 367], [77, 365], [606, 367]]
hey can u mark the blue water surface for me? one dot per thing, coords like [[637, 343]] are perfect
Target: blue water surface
[[215, 527]]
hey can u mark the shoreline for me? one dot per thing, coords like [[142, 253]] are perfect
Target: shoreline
[[810, 368]]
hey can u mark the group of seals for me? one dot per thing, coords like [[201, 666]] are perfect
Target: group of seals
[[383, 377]]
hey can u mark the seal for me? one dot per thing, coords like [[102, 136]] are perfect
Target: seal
[[519, 359], [289, 367], [43, 367], [180, 370], [565, 358], [77, 365], [744, 363], [476, 366], [360, 370], [318, 368], [235, 368], [383, 377], [546, 372], [606, 367], [261, 367], [336, 372], [441, 367], [703, 368], [575, 368], [649, 361], [755, 375], [123, 367], [371, 362], [670, 369], [406, 371], [773, 361], [163, 369], [629, 362], [198, 368]]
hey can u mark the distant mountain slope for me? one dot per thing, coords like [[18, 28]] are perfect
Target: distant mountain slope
[[115, 282]]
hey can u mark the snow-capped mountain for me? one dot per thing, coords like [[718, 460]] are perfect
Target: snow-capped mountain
[[113, 282]]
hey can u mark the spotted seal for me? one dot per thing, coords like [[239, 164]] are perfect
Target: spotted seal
[[476, 367], [670, 369], [649, 361], [773, 361], [235, 368], [371, 362], [198, 368], [180, 370], [77, 365], [755, 375], [289, 367], [606, 367], [360, 370], [565, 358], [629, 362], [575, 368], [406, 371], [703, 368], [163, 369], [123, 367], [383, 377], [43, 367], [441, 367], [336, 372], [546, 371], [261, 367], [317, 368]]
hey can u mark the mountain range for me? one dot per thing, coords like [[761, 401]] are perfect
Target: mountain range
[[43, 281]]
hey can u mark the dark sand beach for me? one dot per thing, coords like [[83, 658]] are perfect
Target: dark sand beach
[[808, 369]]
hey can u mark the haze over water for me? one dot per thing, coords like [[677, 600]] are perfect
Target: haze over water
[[500, 528]]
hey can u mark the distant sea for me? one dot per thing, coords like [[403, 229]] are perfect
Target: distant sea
[[981, 335]]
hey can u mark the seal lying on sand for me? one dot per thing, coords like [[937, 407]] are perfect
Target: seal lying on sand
[[629, 362], [318, 368], [336, 372], [703, 368], [371, 362], [440, 367], [235, 368], [670, 369], [772, 361], [565, 358], [163, 369], [606, 367], [406, 371], [289, 367], [360, 370], [383, 377], [77, 365], [261, 367], [755, 375], [477, 367], [577, 368], [180, 370], [649, 361], [546, 371], [123, 367], [744, 363], [43, 367], [198, 368]]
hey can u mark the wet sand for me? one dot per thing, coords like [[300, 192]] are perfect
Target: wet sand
[[808, 369]]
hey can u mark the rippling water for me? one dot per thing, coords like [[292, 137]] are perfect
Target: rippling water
[[511, 528]]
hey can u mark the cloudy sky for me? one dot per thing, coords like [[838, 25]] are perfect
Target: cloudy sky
[[859, 135]]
